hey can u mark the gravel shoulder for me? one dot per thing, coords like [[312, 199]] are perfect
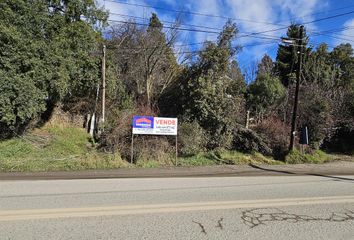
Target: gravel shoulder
[[330, 169]]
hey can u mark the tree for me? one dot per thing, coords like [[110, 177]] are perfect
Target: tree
[[265, 67], [319, 69], [142, 58], [343, 60], [234, 72], [314, 113], [287, 56], [44, 47], [263, 94], [207, 95]]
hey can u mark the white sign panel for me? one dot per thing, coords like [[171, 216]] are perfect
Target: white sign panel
[[165, 126]]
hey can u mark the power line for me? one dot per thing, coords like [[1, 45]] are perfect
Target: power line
[[190, 25], [317, 13], [196, 30], [305, 23], [331, 36], [322, 33], [192, 13], [250, 34], [164, 21], [147, 48], [239, 19], [330, 17], [331, 32], [338, 29], [213, 32], [168, 27]]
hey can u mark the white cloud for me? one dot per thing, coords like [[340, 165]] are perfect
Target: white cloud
[[263, 12], [259, 13], [118, 10], [170, 2], [347, 33], [210, 7]]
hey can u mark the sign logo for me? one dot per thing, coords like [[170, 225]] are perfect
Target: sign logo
[[144, 122]]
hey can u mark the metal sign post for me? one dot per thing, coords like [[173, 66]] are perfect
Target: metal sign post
[[176, 151], [147, 125], [132, 150]]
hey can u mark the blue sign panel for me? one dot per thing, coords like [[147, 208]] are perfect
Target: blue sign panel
[[143, 125]]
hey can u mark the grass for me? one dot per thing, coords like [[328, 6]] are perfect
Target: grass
[[149, 164], [316, 157], [201, 159], [54, 148], [65, 148], [241, 158], [226, 157]]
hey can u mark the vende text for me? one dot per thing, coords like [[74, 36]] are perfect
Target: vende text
[[166, 122]]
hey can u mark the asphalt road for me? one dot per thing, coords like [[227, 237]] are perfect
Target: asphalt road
[[262, 207]]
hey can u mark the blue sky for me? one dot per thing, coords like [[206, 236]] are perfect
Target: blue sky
[[250, 16]]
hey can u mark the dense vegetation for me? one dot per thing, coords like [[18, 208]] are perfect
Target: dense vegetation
[[47, 61]]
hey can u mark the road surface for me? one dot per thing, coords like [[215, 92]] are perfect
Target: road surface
[[262, 207]]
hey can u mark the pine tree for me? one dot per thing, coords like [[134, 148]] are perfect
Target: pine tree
[[265, 67], [287, 56]]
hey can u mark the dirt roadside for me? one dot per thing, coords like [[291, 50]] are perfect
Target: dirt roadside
[[332, 169]]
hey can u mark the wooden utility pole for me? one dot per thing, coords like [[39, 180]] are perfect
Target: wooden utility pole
[[103, 82], [248, 119], [296, 99]]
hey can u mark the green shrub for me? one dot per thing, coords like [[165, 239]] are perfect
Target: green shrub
[[201, 159], [148, 164], [191, 138], [276, 134], [247, 141], [317, 156], [341, 139], [235, 157]]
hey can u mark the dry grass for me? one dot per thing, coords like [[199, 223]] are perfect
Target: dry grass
[[55, 148]]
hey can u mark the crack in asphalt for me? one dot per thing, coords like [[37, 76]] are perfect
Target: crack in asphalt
[[219, 223], [261, 216], [201, 226]]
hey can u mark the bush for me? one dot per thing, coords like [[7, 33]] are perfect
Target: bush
[[154, 148], [247, 141], [118, 132], [341, 140], [117, 138], [200, 159], [234, 157], [191, 138], [276, 134], [317, 156]]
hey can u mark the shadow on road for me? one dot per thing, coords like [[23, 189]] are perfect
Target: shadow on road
[[294, 173], [269, 170], [333, 177]]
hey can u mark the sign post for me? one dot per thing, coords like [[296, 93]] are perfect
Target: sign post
[[146, 125], [176, 151], [304, 138], [132, 150]]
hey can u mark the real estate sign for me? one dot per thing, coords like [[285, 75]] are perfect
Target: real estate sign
[[154, 125]]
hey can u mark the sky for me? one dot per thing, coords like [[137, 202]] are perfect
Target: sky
[[250, 16]]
